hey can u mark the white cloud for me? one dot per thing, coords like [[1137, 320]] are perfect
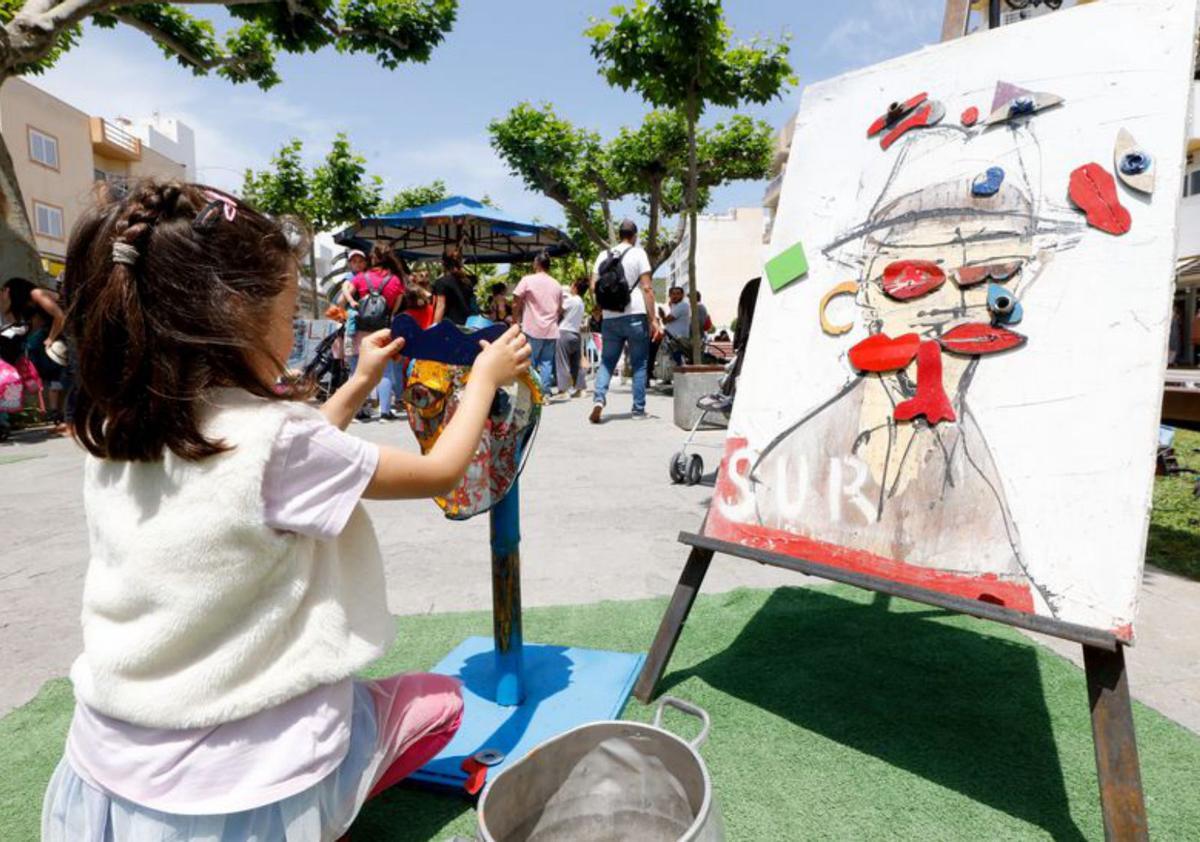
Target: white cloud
[[886, 30]]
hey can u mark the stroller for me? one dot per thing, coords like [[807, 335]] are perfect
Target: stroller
[[324, 370], [688, 468]]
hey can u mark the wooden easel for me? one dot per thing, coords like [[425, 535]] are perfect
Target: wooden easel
[[1121, 799]]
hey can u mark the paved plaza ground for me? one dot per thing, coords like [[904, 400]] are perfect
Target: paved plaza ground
[[599, 520]]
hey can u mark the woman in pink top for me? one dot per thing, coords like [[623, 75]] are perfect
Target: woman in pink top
[[388, 275], [539, 300]]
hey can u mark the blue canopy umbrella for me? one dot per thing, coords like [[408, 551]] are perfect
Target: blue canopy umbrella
[[481, 233]]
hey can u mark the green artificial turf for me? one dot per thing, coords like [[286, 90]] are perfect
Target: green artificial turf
[[837, 714], [1175, 521]]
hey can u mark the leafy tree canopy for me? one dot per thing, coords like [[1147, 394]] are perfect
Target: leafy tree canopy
[[648, 163], [38, 32]]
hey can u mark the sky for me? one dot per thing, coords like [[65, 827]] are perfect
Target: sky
[[421, 122]]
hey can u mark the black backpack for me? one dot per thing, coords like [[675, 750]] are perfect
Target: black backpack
[[612, 290], [373, 312]]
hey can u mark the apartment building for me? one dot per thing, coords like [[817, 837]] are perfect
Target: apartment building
[[60, 152]]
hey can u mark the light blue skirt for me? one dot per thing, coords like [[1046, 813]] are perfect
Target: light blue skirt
[[75, 811]]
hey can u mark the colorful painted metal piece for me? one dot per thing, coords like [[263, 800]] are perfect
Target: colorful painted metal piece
[[1003, 305], [980, 338], [905, 279], [431, 396], [879, 352], [1134, 165], [930, 399], [787, 266], [1012, 101], [1094, 192], [894, 114], [929, 114], [844, 288], [445, 342], [969, 117], [988, 183], [969, 276]]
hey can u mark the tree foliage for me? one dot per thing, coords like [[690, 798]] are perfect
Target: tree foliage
[[680, 55], [415, 197], [37, 32], [647, 163], [335, 192]]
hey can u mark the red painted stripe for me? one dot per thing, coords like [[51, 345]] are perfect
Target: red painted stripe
[[986, 587]]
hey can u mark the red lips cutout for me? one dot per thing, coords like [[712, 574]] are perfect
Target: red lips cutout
[[1094, 191], [880, 352], [905, 279], [978, 338]]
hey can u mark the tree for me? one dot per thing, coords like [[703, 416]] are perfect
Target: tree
[[585, 176], [336, 192], [35, 33], [678, 54], [415, 197]]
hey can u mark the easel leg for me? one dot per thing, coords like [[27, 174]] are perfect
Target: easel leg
[[672, 623], [1117, 768]]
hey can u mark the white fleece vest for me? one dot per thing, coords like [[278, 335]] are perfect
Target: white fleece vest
[[197, 613]]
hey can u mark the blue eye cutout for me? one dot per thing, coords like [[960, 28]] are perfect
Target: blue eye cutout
[[988, 183], [1003, 305], [1135, 163]]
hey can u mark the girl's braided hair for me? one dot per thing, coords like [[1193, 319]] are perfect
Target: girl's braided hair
[[169, 293]]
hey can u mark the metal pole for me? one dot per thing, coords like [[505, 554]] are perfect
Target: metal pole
[[994, 14], [505, 522]]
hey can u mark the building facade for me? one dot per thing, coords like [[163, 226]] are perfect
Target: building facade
[[729, 252], [60, 153]]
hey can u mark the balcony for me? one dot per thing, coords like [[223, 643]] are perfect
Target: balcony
[[112, 141]]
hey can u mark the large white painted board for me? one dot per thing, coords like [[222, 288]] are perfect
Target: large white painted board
[[1036, 495]]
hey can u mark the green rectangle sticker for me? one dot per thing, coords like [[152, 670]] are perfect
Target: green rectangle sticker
[[787, 266]]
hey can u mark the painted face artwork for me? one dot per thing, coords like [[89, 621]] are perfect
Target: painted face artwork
[[894, 462], [431, 396]]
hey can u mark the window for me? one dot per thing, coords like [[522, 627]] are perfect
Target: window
[[43, 148], [1191, 183], [48, 220]]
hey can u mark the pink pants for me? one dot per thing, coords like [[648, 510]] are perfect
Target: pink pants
[[418, 714]]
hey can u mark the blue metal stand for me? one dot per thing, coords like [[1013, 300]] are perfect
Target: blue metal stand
[[515, 695]]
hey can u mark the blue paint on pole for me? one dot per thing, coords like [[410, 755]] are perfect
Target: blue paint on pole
[[505, 519]]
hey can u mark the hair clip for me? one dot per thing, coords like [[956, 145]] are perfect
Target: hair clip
[[124, 253], [217, 202], [291, 234]]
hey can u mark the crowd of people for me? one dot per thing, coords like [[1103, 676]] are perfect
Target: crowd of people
[[32, 344], [566, 341]]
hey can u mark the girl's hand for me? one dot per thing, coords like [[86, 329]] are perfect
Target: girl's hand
[[503, 361], [374, 354]]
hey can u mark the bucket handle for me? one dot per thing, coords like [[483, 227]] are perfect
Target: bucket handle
[[689, 708]]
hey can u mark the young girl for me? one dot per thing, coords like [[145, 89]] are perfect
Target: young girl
[[235, 584]]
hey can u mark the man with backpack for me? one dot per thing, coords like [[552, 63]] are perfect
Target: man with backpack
[[621, 286]]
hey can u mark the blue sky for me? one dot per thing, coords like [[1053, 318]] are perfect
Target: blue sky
[[422, 122]]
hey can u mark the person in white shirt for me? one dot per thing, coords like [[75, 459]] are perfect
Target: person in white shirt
[[567, 361], [632, 327]]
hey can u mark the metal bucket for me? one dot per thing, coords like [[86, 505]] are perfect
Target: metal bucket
[[606, 782]]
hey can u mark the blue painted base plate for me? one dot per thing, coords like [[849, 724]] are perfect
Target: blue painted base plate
[[564, 687]]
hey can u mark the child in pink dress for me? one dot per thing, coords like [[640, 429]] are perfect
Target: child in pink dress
[[235, 585]]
